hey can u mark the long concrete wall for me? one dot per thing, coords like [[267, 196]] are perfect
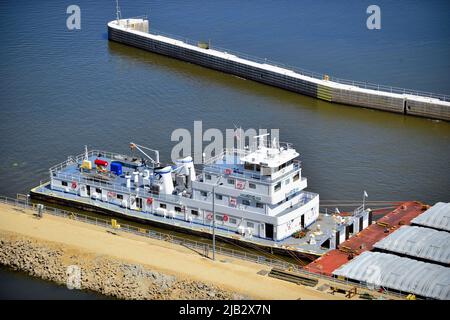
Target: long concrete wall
[[279, 77]]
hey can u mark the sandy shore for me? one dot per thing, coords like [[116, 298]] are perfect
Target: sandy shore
[[185, 273]]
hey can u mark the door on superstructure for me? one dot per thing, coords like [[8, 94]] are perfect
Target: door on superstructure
[[139, 203], [262, 230], [269, 231], [88, 190], [302, 221]]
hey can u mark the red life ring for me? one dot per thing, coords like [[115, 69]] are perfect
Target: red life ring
[[149, 201], [74, 185], [209, 216], [225, 218]]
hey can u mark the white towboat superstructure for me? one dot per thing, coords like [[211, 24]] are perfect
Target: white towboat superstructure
[[256, 194]]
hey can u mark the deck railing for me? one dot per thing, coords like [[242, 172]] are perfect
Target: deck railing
[[77, 159]]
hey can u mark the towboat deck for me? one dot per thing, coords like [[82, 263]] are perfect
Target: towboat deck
[[102, 187], [301, 245]]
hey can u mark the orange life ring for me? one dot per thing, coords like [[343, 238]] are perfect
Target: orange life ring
[[74, 185], [149, 201], [225, 218]]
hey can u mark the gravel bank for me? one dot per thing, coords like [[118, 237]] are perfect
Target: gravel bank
[[100, 273]]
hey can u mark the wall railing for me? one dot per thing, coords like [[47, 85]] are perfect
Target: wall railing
[[304, 72]]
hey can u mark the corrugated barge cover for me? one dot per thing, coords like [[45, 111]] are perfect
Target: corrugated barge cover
[[418, 242], [402, 274], [437, 217], [364, 240]]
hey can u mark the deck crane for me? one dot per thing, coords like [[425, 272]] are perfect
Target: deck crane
[[142, 148]]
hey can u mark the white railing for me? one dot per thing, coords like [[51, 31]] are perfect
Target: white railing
[[71, 160], [308, 73], [117, 188]]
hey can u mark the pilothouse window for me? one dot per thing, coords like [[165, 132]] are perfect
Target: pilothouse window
[[248, 166], [284, 165], [277, 186]]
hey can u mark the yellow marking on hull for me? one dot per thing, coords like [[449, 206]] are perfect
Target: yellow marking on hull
[[323, 92]]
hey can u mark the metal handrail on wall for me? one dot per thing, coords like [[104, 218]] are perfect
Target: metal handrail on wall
[[308, 73], [204, 247]]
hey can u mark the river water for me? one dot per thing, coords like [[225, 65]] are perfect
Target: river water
[[61, 89]]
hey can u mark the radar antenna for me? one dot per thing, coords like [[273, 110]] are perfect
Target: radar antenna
[[260, 139]]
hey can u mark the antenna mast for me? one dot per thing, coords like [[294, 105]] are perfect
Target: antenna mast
[[118, 13]]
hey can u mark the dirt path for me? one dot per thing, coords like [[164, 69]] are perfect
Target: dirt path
[[226, 273]]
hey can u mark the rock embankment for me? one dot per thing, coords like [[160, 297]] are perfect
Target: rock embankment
[[102, 274]]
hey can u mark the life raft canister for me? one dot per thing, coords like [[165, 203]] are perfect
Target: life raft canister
[[100, 162], [74, 185], [149, 201]]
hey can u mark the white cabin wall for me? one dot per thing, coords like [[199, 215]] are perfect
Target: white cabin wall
[[287, 189]]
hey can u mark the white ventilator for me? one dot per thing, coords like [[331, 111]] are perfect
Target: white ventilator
[[166, 179], [136, 178], [146, 177], [128, 177], [187, 167]]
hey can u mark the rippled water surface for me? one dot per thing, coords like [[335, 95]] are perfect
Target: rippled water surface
[[60, 89]]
